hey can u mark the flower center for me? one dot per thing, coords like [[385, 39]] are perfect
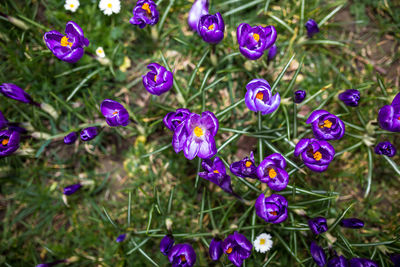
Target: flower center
[[109, 5], [155, 78], [229, 250], [147, 8], [317, 156], [248, 163], [71, 5], [64, 41], [272, 173], [198, 131], [115, 113], [262, 241], [256, 37], [327, 124], [273, 213], [215, 171], [5, 142], [211, 27], [183, 258], [260, 95]]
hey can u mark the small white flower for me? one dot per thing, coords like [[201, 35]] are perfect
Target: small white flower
[[263, 243], [71, 5], [100, 52], [110, 6]]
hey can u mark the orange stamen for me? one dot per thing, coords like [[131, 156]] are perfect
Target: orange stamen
[[5, 142], [256, 37], [64, 41], [147, 8], [260, 95], [317, 156], [229, 250], [211, 27], [248, 163]]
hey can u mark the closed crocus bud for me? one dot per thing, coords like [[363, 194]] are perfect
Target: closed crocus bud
[[318, 225], [385, 148], [325, 125], [237, 247], [338, 261], [68, 47], [71, 189], [350, 97], [9, 142], [312, 28], [211, 28], [245, 168], [89, 133], [114, 112], [272, 171], [120, 238], [70, 138], [182, 255], [318, 254], [145, 13], [259, 97], [316, 154], [12, 91], [272, 209], [272, 52], [215, 249], [299, 96], [158, 80], [352, 223], [173, 119], [389, 115], [166, 244], [199, 9], [359, 262]]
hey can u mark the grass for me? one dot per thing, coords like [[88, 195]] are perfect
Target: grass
[[135, 181]]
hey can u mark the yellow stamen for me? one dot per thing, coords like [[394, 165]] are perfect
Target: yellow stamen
[[147, 8], [64, 41], [273, 213], [215, 171], [155, 78], [115, 113], [198, 131], [211, 27], [272, 173], [262, 241], [5, 142], [317, 156], [327, 124], [71, 5], [256, 37], [248, 163], [229, 251], [109, 5], [183, 258], [260, 95]]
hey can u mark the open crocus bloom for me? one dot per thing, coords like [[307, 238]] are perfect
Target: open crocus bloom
[[272, 209], [9, 142], [325, 125], [389, 116], [237, 247], [259, 97], [272, 171], [316, 154], [145, 12], [385, 148], [182, 255], [114, 112], [245, 168]]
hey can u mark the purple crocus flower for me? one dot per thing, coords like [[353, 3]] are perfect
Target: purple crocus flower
[[316, 154], [71, 189], [145, 12], [200, 135], [88, 134], [9, 142], [211, 28], [338, 261], [182, 255], [272, 52], [359, 262], [318, 225], [166, 244], [114, 112], [312, 28], [352, 223], [245, 168], [299, 96], [350, 97], [198, 9], [173, 119], [120, 238], [318, 254], [49, 264], [237, 247], [12, 91], [389, 116], [385, 148], [272, 209], [3, 121], [68, 47], [325, 125], [70, 138], [158, 80], [272, 171], [259, 97], [253, 41], [215, 249]]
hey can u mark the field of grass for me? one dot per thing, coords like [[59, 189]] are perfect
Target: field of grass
[[134, 181]]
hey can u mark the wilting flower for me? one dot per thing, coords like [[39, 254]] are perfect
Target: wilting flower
[[352, 223], [182, 255], [385, 148], [325, 125], [253, 41], [110, 6], [350, 97], [389, 116], [237, 247], [70, 138], [318, 225], [272, 52], [245, 168], [316, 154], [359, 262], [9, 142], [114, 112], [158, 80], [68, 47], [88, 134], [173, 119], [338, 261], [3, 121], [263, 243], [12, 91], [299, 96], [166, 244], [198, 9], [69, 190], [49, 264], [272, 209], [272, 171], [100, 52], [259, 97], [71, 5], [312, 27], [211, 28], [318, 254], [120, 238], [145, 12], [215, 249]]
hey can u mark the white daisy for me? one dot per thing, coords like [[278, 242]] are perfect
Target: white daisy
[[100, 52], [110, 6], [71, 5], [263, 243]]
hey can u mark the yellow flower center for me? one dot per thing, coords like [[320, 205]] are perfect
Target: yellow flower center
[[64, 41], [211, 27], [215, 171], [272, 173], [183, 258], [198, 131], [229, 250], [256, 37], [155, 78], [109, 5], [262, 241], [260, 95], [317, 156], [147, 8], [248, 163], [5, 142], [327, 124], [71, 5]]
